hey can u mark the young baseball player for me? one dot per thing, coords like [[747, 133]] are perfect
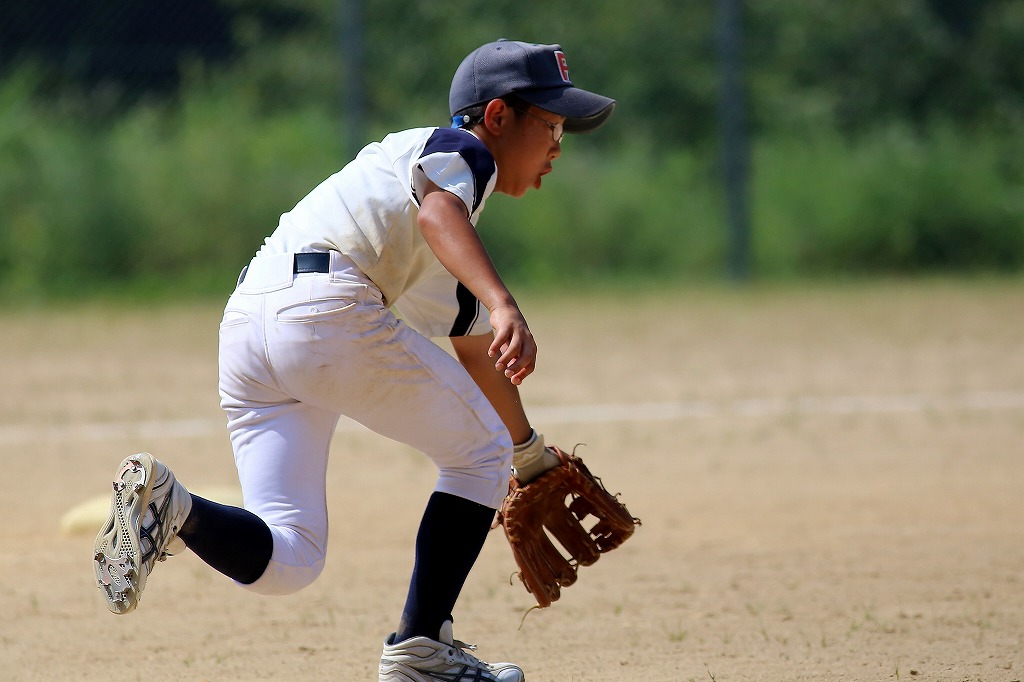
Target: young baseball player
[[309, 335]]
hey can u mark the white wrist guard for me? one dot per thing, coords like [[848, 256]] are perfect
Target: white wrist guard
[[531, 459]]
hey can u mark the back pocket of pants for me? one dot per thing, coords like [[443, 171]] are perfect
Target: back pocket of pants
[[315, 311]]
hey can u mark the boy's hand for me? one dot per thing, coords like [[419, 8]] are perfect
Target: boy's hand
[[513, 345]]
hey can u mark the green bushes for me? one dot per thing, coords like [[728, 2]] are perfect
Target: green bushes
[[165, 198], [177, 198], [893, 202], [630, 213]]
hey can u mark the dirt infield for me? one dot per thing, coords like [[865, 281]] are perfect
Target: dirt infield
[[830, 482]]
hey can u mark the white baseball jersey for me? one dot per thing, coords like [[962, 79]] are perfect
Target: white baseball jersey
[[368, 210]]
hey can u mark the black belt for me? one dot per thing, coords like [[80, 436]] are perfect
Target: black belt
[[303, 262], [312, 262]]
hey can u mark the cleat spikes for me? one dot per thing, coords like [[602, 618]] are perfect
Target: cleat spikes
[[147, 508]]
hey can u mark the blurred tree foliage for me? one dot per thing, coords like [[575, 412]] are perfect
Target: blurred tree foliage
[[854, 64], [879, 61], [141, 138]]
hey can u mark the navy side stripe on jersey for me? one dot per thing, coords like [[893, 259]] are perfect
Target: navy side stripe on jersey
[[469, 309], [476, 155]]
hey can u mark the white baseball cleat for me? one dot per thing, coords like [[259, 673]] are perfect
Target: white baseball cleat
[[147, 509], [421, 659]]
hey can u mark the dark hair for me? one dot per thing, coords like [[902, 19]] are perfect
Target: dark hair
[[473, 115]]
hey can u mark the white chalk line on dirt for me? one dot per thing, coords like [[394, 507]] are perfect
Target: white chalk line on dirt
[[976, 401]]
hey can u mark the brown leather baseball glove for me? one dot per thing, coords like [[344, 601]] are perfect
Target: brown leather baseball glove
[[572, 506]]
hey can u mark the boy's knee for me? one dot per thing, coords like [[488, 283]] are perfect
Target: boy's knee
[[296, 563], [484, 482], [280, 579]]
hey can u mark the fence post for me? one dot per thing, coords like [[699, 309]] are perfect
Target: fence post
[[734, 137], [353, 96]]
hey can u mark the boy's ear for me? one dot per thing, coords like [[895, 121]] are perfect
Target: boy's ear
[[497, 116]]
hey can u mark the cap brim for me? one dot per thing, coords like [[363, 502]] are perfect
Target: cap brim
[[584, 111]]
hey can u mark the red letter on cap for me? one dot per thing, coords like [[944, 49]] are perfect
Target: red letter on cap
[[563, 66]]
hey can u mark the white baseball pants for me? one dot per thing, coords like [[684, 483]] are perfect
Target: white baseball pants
[[299, 351]]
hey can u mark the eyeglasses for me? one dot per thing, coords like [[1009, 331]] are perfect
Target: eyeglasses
[[557, 129]]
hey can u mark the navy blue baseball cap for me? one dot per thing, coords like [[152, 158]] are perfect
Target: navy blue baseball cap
[[537, 74]]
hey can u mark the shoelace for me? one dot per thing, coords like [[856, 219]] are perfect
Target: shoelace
[[458, 643], [460, 653]]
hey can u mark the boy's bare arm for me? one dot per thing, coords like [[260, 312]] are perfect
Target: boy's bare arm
[[447, 230], [502, 394]]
